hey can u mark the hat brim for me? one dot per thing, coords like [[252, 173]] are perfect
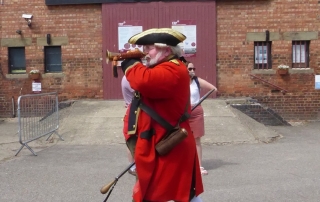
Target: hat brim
[[163, 35]]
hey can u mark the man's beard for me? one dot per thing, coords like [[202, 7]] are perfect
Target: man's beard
[[152, 62]]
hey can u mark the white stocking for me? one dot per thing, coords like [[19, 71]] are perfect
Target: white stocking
[[196, 199]]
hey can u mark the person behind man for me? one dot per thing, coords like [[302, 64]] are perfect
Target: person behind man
[[163, 85], [127, 93], [196, 119]]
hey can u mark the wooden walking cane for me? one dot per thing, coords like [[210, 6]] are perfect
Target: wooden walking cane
[[111, 185], [106, 188]]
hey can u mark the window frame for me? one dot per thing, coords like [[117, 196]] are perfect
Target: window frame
[[306, 58], [21, 59], [46, 58], [268, 63]]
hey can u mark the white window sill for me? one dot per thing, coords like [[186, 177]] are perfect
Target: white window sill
[[291, 71], [301, 71], [17, 76], [25, 76], [53, 75], [263, 71]]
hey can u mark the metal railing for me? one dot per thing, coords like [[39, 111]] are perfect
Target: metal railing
[[38, 115], [283, 91]]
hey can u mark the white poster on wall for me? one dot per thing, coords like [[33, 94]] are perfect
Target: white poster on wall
[[127, 29], [36, 87], [189, 29]]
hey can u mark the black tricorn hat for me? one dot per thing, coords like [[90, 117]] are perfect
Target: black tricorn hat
[[166, 36]]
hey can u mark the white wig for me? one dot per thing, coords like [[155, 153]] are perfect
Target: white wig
[[176, 50]]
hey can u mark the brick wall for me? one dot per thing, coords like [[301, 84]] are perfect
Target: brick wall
[[236, 55], [81, 57], [82, 64], [294, 106]]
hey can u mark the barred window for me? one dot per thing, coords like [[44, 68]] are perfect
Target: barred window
[[300, 54], [262, 55]]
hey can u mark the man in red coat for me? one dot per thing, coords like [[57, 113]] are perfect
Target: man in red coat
[[163, 85]]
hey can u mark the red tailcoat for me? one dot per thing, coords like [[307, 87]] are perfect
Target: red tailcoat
[[166, 89]]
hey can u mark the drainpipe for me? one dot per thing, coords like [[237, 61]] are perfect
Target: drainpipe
[[267, 35], [215, 51], [13, 107]]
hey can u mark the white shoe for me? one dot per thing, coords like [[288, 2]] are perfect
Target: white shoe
[[132, 172], [203, 171]]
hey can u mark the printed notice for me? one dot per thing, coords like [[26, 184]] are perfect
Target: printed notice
[[126, 30], [189, 29], [36, 87]]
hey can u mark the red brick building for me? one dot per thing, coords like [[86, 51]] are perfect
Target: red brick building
[[240, 45]]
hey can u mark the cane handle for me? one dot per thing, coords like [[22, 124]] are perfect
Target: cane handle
[[106, 188]]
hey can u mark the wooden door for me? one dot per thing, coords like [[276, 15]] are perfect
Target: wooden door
[[160, 14]]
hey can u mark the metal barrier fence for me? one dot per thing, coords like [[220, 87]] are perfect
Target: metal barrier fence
[[38, 116]]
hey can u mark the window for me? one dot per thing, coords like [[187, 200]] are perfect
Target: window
[[262, 55], [53, 62], [300, 54], [17, 60]]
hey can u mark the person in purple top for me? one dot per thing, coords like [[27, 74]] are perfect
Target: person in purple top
[[127, 93]]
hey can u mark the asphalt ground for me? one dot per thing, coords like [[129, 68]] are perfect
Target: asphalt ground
[[246, 160], [284, 170], [99, 122]]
